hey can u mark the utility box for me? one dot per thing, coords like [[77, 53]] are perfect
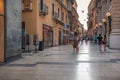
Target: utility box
[[41, 45]]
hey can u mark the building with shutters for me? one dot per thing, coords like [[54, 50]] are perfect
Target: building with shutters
[[50, 20]]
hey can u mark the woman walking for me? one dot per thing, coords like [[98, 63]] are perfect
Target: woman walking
[[75, 44]]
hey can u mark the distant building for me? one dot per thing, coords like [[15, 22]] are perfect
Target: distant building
[[50, 20], [105, 20]]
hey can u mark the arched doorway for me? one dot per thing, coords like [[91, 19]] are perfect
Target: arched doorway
[[1, 30]]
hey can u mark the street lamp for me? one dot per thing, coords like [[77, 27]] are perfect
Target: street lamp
[[100, 27], [108, 14], [100, 24], [96, 29], [104, 21], [96, 25]]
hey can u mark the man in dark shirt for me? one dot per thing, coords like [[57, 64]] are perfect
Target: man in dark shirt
[[99, 41]]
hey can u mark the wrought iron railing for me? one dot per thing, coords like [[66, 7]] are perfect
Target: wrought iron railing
[[43, 10]]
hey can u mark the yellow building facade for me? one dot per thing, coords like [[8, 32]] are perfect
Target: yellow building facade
[[1, 30], [46, 18]]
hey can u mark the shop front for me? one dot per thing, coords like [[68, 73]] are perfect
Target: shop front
[[65, 37], [1, 30], [47, 35], [60, 36]]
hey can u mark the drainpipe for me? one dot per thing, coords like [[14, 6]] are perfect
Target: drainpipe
[[5, 26]]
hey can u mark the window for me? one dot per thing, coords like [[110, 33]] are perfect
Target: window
[[62, 16], [26, 4], [53, 9], [66, 18], [41, 4], [58, 12]]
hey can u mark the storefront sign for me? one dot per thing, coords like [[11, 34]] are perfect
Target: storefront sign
[[65, 25]]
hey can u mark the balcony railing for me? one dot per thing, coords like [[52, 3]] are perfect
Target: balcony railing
[[62, 4], [68, 23], [69, 9], [55, 15], [56, 18], [44, 10]]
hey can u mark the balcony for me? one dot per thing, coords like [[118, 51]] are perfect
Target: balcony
[[54, 15], [43, 10], [59, 1], [56, 18], [68, 23], [69, 9], [62, 4]]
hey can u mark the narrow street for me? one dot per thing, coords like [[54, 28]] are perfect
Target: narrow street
[[60, 63], [37, 39]]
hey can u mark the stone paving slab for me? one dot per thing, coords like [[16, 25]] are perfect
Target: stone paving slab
[[61, 63]]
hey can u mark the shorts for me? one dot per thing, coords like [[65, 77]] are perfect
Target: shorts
[[104, 42], [100, 42], [74, 46]]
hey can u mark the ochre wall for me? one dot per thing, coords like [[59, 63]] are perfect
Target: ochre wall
[[1, 38], [34, 21], [49, 21], [1, 7], [1, 31], [30, 19], [94, 18]]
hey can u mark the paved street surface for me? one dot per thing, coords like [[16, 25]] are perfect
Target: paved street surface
[[61, 63]]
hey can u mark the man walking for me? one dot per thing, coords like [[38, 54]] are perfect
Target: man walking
[[99, 38]]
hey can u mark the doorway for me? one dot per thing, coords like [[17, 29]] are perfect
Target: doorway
[[47, 35], [23, 36], [60, 37]]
